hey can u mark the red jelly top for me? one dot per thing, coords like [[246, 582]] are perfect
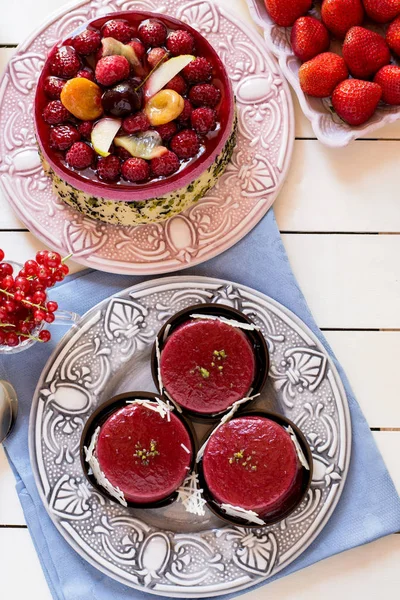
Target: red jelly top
[[251, 462], [143, 454], [207, 365]]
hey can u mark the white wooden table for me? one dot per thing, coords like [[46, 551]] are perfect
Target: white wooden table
[[339, 213]]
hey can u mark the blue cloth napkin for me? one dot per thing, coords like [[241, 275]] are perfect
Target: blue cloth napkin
[[368, 509]]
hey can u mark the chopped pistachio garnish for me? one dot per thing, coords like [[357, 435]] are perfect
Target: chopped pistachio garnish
[[220, 368], [204, 373], [246, 463], [146, 455]]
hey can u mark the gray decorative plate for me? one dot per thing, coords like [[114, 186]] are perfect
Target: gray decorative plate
[[168, 551]]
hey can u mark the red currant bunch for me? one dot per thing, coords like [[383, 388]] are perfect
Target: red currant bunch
[[24, 306]]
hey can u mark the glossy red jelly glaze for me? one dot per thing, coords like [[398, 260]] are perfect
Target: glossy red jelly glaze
[[190, 348], [135, 427], [265, 445], [212, 143]]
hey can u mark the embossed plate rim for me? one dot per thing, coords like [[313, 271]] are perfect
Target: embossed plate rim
[[158, 265], [157, 285]]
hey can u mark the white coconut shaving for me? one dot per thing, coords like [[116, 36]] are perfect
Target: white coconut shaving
[[191, 496], [185, 448], [231, 322], [160, 383], [158, 406], [299, 449], [166, 331], [242, 513], [98, 474], [235, 406]]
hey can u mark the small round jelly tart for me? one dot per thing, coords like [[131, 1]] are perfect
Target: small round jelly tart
[[254, 468], [137, 451], [208, 357]]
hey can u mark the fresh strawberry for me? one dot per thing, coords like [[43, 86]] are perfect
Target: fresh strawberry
[[63, 136], [203, 119], [56, 113], [340, 15], [52, 87], [165, 165], [365, 52], [79, 156], [167, 131], [109, 168], [117, 29], [135, 169], [355, 100], [309, 37], [65, 62], [178, 84], [185, 114], [185, 144], [393, 36], [285, 12], [111, 69], [155, 55], [85, 129], [152, 33], [180, 42], [389, 79], [382, 11], [138, 47], [205, 94], [320, 75], [86, 42], [135, 123], [198, 71]]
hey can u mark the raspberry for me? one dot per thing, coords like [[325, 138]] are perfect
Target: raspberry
[[205, 94], [180, 42], [152, 33], [135, 123], [65, 62], [138, 48], [167, 131], [185, 114], [86, 73], [177, 84], [135, 169], [80, 155], [63, 136], [56, 113], [203, 119], [52, 86], [111, 69], [185, 144], [198, 71], [109, 168], [86, 42], [155, 55], [117, 29], [123, 153], [85, 129], [165, 165]]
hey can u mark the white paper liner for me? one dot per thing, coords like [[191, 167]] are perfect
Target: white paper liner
[[191, 495], [98, 474], [230, 322], [242, 513], [299, 449]]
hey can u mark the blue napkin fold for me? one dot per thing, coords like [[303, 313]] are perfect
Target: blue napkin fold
[[368, 509]]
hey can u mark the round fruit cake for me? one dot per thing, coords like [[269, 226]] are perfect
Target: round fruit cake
[[135, 118], [144, 456]]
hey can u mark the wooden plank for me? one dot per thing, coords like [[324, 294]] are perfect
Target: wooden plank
[[366, 572], [350, 282]]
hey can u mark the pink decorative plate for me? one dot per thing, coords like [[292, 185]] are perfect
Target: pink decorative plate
[[229, 211]]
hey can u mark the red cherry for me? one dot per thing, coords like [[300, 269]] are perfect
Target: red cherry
[[49, 318], [2, 255], [39, 315], [12, 339], [52, 306], [53, 260], [45, 336], [8, 282], [31, 268], [41, 256]]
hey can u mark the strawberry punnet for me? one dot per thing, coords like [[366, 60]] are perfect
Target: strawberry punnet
[[389, 79], [340, 15], [355, 100], [382, 11], [320, 75], [309, 37], [365, 52], [285, 12]]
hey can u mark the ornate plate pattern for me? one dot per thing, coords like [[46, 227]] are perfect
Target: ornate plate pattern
[[225, 215], [327, 126], [107, 353]]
